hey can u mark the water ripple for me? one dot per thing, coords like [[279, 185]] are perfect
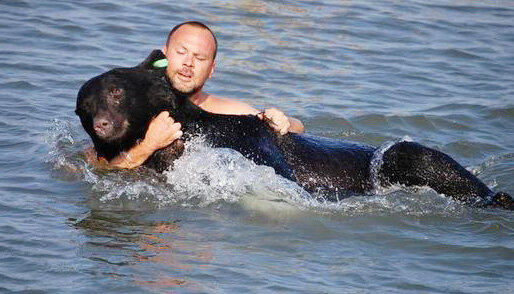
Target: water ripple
[[440, 72]]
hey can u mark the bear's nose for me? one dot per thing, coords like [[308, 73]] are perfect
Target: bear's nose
[[102, 127]]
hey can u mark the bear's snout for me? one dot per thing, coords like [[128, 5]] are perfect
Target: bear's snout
[[103, 127]]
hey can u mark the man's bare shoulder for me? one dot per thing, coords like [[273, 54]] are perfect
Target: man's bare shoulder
[[223, 105]]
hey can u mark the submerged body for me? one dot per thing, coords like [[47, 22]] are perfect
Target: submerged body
[[130, 97]]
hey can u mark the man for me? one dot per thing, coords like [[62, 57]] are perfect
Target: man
[[191, 51]]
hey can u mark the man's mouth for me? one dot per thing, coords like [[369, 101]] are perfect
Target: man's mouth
[[185, 75]]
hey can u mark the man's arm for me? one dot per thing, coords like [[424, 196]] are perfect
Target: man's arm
[[162, 131], [277, 120]]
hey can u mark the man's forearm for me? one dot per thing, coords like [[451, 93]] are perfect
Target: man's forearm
[[162, 131], [134, 157]]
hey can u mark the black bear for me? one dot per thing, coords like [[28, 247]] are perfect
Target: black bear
[[116, 107]]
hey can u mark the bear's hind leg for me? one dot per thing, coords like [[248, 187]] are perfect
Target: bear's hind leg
[[413, 164]]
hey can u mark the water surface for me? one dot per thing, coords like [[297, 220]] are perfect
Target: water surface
[[437, 72]]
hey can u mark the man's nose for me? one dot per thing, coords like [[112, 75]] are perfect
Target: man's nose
[[189, 60]]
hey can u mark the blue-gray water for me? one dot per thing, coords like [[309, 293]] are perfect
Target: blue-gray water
[[439, 72]]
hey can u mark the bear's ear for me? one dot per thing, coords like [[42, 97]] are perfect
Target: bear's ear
[[148, 62]]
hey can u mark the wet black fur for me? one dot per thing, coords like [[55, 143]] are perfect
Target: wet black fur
[[333, 167]]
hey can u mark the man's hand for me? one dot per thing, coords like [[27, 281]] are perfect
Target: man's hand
[[276, 119], [162, 131], [92, 158]]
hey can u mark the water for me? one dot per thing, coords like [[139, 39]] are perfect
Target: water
[[438, 72]]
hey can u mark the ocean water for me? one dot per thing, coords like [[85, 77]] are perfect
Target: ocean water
[[438, 72]]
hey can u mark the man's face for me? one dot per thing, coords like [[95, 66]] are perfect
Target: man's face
[[190, 54]]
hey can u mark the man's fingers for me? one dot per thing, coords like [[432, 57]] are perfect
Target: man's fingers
[[276, 119], [175, 126], [163, 115], [163, 130], [174, 132], [177, 135], [285, 129]]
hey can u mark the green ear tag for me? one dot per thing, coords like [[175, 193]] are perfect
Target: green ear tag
[[160, 63]]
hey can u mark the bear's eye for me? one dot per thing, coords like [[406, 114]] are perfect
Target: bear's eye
[[115, 95]]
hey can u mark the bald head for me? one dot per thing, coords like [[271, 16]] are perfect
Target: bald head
[[190, 51], [195, 24]]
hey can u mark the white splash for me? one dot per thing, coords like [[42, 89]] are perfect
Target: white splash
[[206, 175], [220, 173], [376, 163]]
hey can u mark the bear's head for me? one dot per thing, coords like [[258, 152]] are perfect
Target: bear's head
[[116, 107]]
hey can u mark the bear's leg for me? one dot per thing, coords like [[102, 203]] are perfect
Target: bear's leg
[[412, 164]]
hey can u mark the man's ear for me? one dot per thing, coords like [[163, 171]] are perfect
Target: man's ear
[[212, 69], [164, 49]]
